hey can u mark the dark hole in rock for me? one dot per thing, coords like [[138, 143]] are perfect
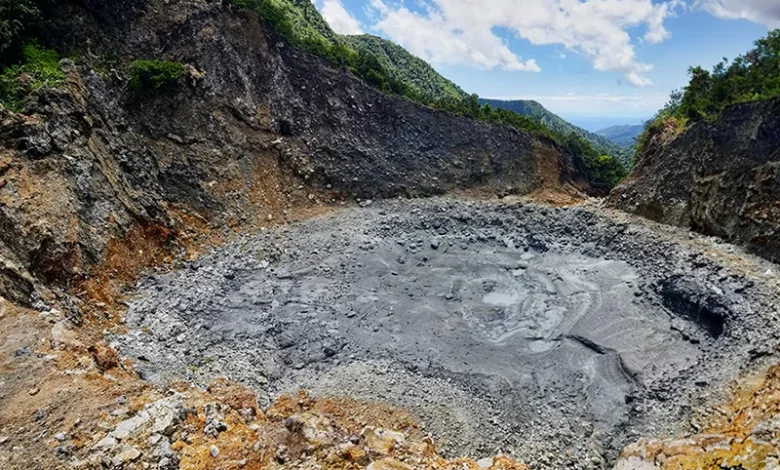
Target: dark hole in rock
[[285, 128], [695, 303]]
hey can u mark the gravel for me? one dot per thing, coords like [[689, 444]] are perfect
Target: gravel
[[556, 335]]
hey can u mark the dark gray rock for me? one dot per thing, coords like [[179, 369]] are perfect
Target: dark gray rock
[[720, 178]]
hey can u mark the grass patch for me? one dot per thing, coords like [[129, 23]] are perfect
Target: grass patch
[[156, 75], [39, 69]]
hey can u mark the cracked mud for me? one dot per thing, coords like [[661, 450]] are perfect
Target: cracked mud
[[551, 334]]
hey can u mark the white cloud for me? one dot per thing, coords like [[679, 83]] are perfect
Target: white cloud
[[766, 12], [436, 39], [338, 17], [462, 31]]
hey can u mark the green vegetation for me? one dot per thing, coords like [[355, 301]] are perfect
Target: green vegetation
[[155, 75], [406, 68], [557, 124], [40, 68], [17, 20], [25, 65], [602, 171], [752, 77], [306, 21]]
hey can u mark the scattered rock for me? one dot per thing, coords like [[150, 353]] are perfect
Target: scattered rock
[[388, 464], [126, 454]]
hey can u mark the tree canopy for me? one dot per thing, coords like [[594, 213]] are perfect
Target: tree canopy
[[750, 77]]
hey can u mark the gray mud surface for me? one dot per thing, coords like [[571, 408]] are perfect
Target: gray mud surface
[[555, 335]]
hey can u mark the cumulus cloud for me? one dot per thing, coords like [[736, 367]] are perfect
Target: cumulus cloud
[[435, 38], [463, 31], [766, 12], [338, 17]]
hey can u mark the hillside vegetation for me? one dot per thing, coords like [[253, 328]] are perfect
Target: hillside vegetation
[[622, 135], [405, 67], [754, 76], [557, 124]]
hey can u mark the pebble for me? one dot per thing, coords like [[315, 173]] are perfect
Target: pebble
[[214, 451], [60, 436]]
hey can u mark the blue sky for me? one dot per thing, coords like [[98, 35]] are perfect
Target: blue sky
[[594, 62]]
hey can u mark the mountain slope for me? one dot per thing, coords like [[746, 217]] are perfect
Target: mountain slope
[[556, 123], [406, 67], [306, 20], [622, 135], [308, 24]]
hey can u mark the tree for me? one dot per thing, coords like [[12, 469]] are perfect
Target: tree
[[696, 101], [17, 17]]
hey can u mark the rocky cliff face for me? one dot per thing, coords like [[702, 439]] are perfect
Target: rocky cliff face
[[93, 173], [720, 178]]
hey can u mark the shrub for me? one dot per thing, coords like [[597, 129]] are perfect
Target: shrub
[[39, 69], [271, 14], [155, 75], [17, 18], [604, 172]]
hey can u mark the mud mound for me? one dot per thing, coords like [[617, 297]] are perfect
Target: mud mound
[[552, 334]]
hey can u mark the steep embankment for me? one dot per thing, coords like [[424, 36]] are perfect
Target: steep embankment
[[95, 169], [720, 178]]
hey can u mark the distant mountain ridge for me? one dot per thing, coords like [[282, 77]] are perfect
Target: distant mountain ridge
[[536, 110], [623, 135]]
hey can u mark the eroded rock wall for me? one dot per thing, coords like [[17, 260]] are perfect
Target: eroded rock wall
[[94, 173], [720, 178]]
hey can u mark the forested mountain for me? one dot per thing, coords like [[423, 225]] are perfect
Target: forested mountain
[[623, 135], [535, 110], [308, 24], [306, 20], [406, 67]]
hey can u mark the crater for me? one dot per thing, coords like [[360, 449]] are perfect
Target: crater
[[501, 333]]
